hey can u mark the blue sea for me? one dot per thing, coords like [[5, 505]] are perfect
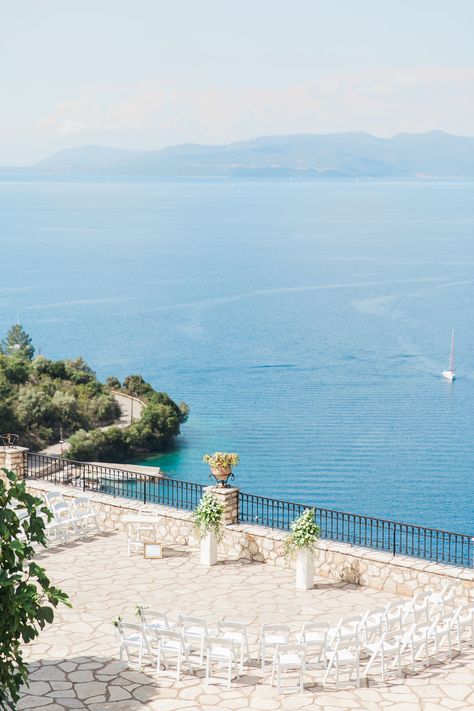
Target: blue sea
[[305, 323]]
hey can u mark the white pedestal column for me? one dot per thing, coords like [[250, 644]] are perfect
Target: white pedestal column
[[304, 569], [208, 549]]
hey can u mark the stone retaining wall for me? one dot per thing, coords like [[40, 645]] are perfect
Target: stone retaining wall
[[339, 561]]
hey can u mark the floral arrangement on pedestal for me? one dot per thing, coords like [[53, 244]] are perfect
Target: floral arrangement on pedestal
[[207, 516], [304, 533], [221, 464], [302, 540]]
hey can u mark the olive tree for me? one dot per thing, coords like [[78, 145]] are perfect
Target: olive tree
[[27, 597]]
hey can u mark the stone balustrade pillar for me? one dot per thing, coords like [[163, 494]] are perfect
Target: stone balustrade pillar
[[13, 458], [229, 497]]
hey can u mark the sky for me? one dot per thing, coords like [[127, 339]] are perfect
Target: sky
[[151, 73]]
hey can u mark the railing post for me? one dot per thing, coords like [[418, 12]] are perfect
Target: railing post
[[83, 478], [144, 488], [394, 540], [229, 497]]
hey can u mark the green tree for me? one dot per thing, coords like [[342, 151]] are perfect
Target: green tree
[[138, 387], [14, 370], [113, 383], [18, 343], [27, 597]]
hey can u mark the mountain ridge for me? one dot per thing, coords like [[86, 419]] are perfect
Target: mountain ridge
[[351, 155]]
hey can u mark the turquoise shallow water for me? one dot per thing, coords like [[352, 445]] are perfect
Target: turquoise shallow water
[[306, 324]]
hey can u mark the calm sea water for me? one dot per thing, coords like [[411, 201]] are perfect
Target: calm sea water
[[306, 324]]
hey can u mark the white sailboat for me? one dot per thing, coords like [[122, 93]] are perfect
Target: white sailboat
[[449, 374]]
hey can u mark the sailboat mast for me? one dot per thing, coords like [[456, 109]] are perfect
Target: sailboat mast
[[452, 350]]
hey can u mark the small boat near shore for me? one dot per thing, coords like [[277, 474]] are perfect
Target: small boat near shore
[[449, 374]]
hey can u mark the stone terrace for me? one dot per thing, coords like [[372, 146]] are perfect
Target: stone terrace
[[74, 662]]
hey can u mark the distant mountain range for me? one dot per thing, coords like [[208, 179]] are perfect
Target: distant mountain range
[[340, 155]]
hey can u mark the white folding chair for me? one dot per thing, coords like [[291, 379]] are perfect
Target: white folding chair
[[289, 657], [314, 638], [395, 615], [388, 651], [131, 638], [270, 636], [64, 515], [85, 514], [443, 633], [139, 531], [465, 621], [195, 631], [54, 530], [346, 654], [171, 643], [372, 626], [442, 600], [417, 610], [224, 652], [237, 633]]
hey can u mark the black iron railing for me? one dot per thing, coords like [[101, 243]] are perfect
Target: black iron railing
[[116, 482], [384, 535], [397, 538]]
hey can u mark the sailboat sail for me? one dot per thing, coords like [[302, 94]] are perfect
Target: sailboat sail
[[449, 374]]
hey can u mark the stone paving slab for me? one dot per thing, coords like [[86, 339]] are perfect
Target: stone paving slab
[[74, 663]]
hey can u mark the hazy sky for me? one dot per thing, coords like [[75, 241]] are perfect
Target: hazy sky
[[150, 73]]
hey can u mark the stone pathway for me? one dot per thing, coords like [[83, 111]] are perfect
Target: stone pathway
[[74, 663]]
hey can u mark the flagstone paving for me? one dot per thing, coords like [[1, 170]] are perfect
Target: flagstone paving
[[74, 663]]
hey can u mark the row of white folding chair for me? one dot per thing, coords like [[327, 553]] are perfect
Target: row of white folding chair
[[195, 630], [164, 644], [421, 639], [76, 514]]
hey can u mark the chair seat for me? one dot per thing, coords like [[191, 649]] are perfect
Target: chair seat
[[313, 637], [171, 645], [275, 639], [194, 632], [290, 660], [221, 653], [345, 655]]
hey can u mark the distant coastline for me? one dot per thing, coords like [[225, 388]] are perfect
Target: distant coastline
[[422, 156]]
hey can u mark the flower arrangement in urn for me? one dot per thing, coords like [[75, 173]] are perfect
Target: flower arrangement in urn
[[221, 464]]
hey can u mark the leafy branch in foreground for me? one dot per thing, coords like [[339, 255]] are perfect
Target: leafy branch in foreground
[[27, 597]]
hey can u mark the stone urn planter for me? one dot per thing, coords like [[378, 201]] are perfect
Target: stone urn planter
[[221, 464], [221, 475], [304, 569], [208, 549]]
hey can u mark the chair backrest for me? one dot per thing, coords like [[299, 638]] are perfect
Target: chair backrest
[[83, 504], [216, 643], [314, 633], [349, 645], [228, 626], [153, 618], [52, 497], [187, 621], [164, 635], [275, 628], [60, 511], [125, 628], [349, 627], [293, 648]]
